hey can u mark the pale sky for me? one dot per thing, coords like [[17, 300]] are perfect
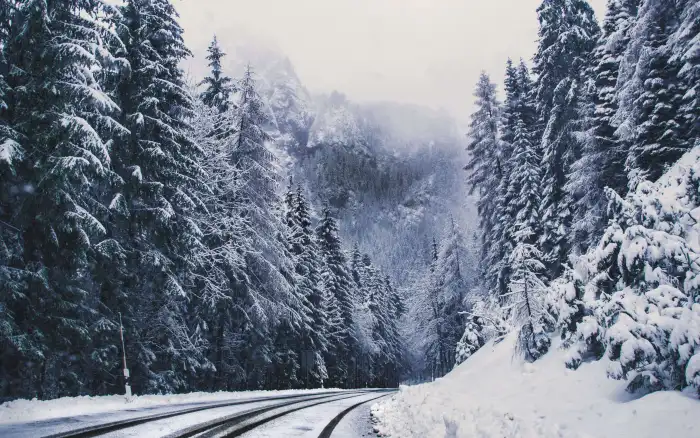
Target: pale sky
[[427, 52]]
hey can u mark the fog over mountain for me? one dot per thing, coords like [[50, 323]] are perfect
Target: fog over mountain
[[412, 51], [391, 171]]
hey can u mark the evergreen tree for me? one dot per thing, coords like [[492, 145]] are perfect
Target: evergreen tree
[[152, 214], [271, 267], [525, 184], [567, 35], [641, 283], [308, 267], [470, 341], [15, 345], [433, 328], [64, 119], [602, 162], [685, 53], [519, 125], [338, 285], [527, 301], [225, 300], [219, 87], [336, 357], [660, 137], [451, 293], [513, 92], [485, 169]]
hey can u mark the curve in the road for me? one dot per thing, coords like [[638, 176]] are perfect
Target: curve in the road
[[101, 429], [330, 427], [240, 423]]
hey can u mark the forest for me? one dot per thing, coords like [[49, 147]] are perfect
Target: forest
[[589, 189], [244, 234], [131, 200]]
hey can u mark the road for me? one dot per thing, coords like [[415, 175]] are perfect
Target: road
[[338, 414]]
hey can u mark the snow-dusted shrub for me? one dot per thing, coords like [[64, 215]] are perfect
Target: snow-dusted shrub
[[641, 298], [526, 302], [485, 322], [564, 302], [471, 340]]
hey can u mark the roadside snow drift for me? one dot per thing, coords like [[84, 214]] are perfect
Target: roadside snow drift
[[20, 411], [494, 394]]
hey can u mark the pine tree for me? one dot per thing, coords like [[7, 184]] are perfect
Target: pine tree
[[303, 248], [485, 169], [527, 301], [519, 125], [685, 54], [271, 267], [641, 283], [219, 87], [338, 284], [224, 300], [384, 352], [470, 341], [430, 304], [336, 357], [451, 290], [602, 162], [16, 346], [567, 35], [525, 184], [513, 92], [65, 120], [152, 214], [660, 137]]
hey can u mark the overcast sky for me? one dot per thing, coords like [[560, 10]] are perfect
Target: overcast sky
[[418, 51]]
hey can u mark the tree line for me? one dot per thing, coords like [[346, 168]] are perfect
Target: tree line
[[586, 176], [127, 196]]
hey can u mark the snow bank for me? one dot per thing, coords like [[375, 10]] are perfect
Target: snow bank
[[494, 394], [20, 411]]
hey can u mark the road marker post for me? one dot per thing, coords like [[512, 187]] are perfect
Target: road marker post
[[127, 387]]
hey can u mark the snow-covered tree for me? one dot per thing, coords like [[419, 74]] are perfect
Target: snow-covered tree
[[525, 178], [339, 288], [518, 126], [485, 167], [451, 291], [57, 109], [659, 139], [641, 291], [603, 153], [684, 53], [219, 87], [567, 36], [653, 89], [470, 342], [153, 209], [486, 321], [309, 284], [526, 304]]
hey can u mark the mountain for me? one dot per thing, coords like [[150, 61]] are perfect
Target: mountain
[[391, 172]]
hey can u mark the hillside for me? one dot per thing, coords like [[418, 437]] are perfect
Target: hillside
[[494, 394]]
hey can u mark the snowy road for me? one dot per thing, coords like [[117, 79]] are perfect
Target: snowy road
[[272, 416], [323, 421]]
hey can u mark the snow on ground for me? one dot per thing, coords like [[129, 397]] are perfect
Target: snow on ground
[[494, 394], [306, 423], [356, 424], [18, 411]]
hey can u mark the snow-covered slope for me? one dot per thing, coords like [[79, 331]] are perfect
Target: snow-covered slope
[[494, 394]]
